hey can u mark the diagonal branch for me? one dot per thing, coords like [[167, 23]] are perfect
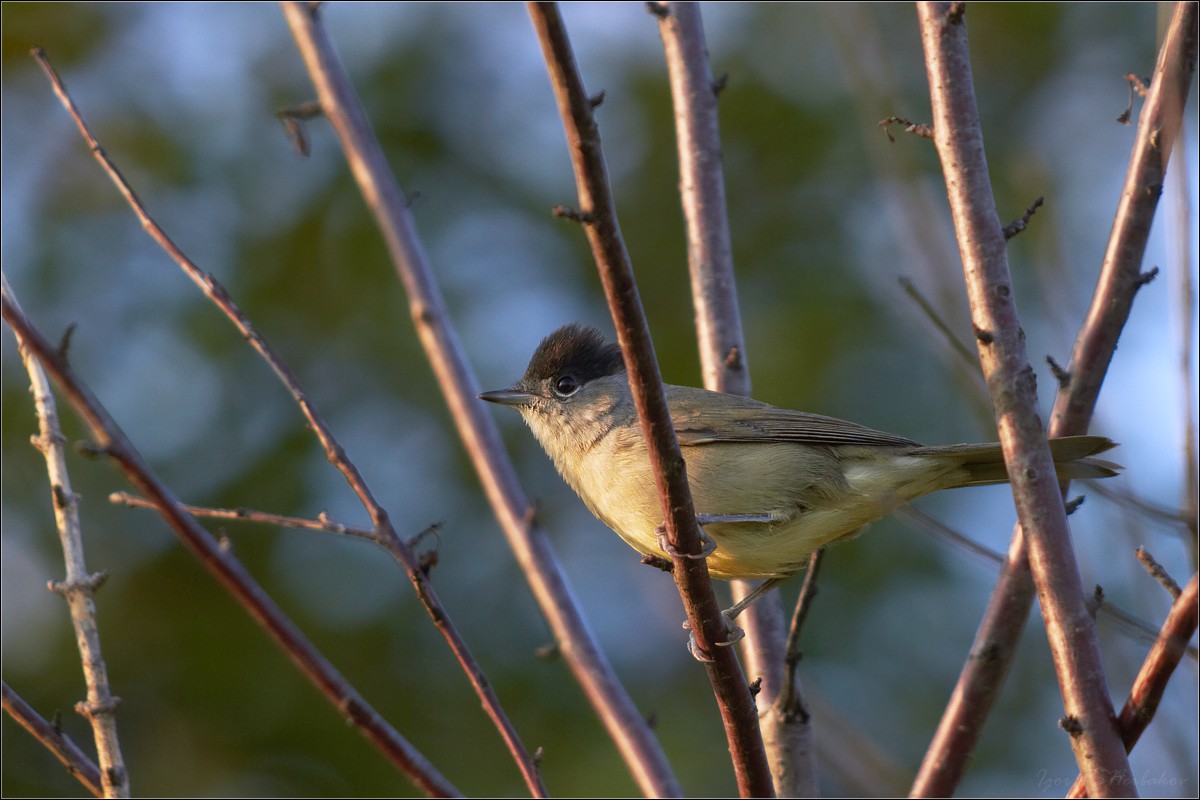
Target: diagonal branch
[[1012, 385], [75, 760], [79, 586], [224, 567], [996, 641], [670, 472], [1151, 681], [386, 533], [528, 540]]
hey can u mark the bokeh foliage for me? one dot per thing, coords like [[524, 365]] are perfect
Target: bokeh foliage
[[826, 215]]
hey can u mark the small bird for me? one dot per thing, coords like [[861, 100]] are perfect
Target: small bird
[[770, 486]]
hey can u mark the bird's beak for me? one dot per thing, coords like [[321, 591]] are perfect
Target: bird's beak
[[512, 396]]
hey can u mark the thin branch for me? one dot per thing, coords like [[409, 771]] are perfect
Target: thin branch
[[322, 523], [1038, 498], [616, 274], [528, 540], [1152, 678], [723, 360], [996, 640], [111, 441], [789, 700], [79, 586], [1158, 573], [75, 760], [388, 537]]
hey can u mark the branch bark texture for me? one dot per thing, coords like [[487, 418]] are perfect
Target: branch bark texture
[[528, 540], [1012, 385], [994, 648], [599, 216]]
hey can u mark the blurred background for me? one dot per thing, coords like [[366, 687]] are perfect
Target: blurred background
[[827, 217]]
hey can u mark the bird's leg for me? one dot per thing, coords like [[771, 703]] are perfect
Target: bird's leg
[[707, 541]]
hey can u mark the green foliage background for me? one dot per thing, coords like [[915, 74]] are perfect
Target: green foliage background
[[826, 215]]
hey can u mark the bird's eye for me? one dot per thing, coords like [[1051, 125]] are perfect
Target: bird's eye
[[565, 386]]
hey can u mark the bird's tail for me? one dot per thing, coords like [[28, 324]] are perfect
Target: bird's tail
[[984, 463]]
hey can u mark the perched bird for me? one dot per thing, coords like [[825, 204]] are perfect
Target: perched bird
[[770, 486]]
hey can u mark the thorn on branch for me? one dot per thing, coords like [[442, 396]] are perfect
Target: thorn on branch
[[537, 757], [1018, 225], [566, 212], [1072, 505], [719, 84], [1160, 574], [756, 686], [659, 562], [1072, 726], [595, 100], [1138, 85], [660, 10], [87, 585], [1146, 277], [1061, 375], [985, 336], [64, 344], [915, 128], [733, 358], [955, 13], [293, 120]]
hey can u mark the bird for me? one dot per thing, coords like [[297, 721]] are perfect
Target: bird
[[770, 486]]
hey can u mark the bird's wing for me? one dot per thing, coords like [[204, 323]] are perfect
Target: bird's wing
[[741, 419]]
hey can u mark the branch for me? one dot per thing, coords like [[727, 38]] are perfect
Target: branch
[[79, 586], [616, 274], [1011, 382], [723, 354], [1151, 681], [57, 742], [528, 540], [336, 455], [227, 569], [996, 640]]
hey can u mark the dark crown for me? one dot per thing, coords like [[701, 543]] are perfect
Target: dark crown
[[576, 350]]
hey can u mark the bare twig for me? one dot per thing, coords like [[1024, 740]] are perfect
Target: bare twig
[[790, 700], [528, 540], [1152, 678], [74, 759], [1159, 574], [322, 523], [1018, 225], [1012, 598], [79, 586], [616, 274], [227, 569], [1037, 497], [723, 347], [388, 537], [915, 128]]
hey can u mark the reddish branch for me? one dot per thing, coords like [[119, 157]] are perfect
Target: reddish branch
[[616, 273], [1156, 670], [386, 533], [1036, 493], [996, 641], [528, 540], [57, 742], [225, 568]]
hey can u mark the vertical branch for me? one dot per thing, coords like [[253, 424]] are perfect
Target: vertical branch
[[340, 104], [1012, 384], [995, 644], [79, 587], [599, 217], [723, 360]]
